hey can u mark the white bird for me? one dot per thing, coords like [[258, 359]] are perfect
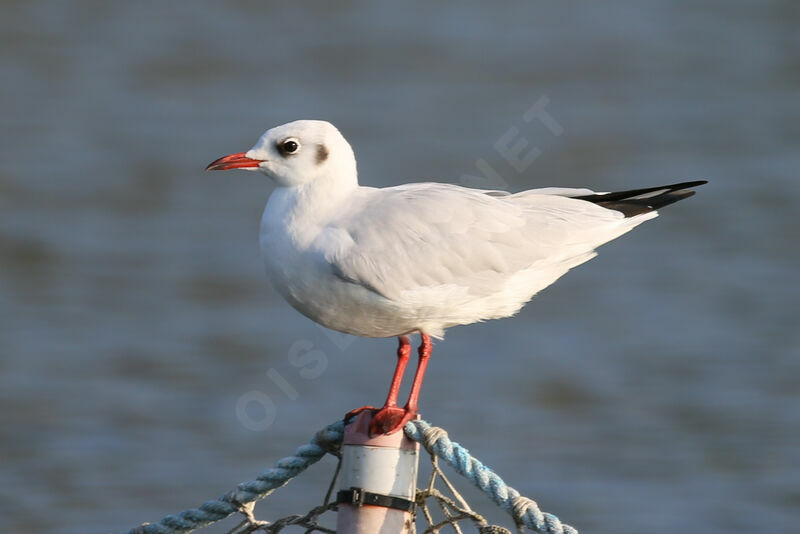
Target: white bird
[[421, 257]]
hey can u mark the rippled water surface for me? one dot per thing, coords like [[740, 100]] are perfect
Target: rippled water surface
[[655, 389]]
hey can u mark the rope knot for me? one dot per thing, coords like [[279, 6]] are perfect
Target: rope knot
[[522, 506], [431, 435]]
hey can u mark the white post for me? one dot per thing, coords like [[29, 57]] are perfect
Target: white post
[[377, 481]]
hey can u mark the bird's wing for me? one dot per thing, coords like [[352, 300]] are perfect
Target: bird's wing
[[424, 235]]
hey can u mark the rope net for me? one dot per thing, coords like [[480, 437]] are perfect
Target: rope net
[[439, 505]]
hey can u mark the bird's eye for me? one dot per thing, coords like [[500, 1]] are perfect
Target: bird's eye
[[289, 146]]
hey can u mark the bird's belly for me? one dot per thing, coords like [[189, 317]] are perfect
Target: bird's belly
[[346, 307], [308, 283]]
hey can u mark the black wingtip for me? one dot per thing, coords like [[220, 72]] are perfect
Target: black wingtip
[[639, 201]]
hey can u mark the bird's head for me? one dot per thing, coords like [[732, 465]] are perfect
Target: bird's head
[[296, 153]]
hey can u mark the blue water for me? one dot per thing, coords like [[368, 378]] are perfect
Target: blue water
[[654, 389]]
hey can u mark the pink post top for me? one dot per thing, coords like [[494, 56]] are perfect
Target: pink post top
[[357, 433]]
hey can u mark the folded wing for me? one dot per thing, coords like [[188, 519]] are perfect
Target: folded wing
[[421, 236]]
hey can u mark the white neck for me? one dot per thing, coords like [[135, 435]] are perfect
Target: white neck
[[302, 210]]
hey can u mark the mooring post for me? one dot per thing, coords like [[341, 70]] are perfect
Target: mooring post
[[377, 481]]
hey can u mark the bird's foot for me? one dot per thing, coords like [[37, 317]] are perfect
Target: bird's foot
[[389, 420], [386, 420], [352, 414]]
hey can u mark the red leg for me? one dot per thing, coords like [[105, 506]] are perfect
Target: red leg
[[403, 353], [425, 349], [390, 419]]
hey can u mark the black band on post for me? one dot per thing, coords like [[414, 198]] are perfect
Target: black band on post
[[359, 497]]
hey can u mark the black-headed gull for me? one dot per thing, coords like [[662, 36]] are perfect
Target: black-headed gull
[[422, 257]]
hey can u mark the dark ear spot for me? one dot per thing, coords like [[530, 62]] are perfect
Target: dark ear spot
[[322, 154]]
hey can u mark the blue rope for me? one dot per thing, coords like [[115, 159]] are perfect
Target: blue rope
[[524, 511], [326, 440]]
